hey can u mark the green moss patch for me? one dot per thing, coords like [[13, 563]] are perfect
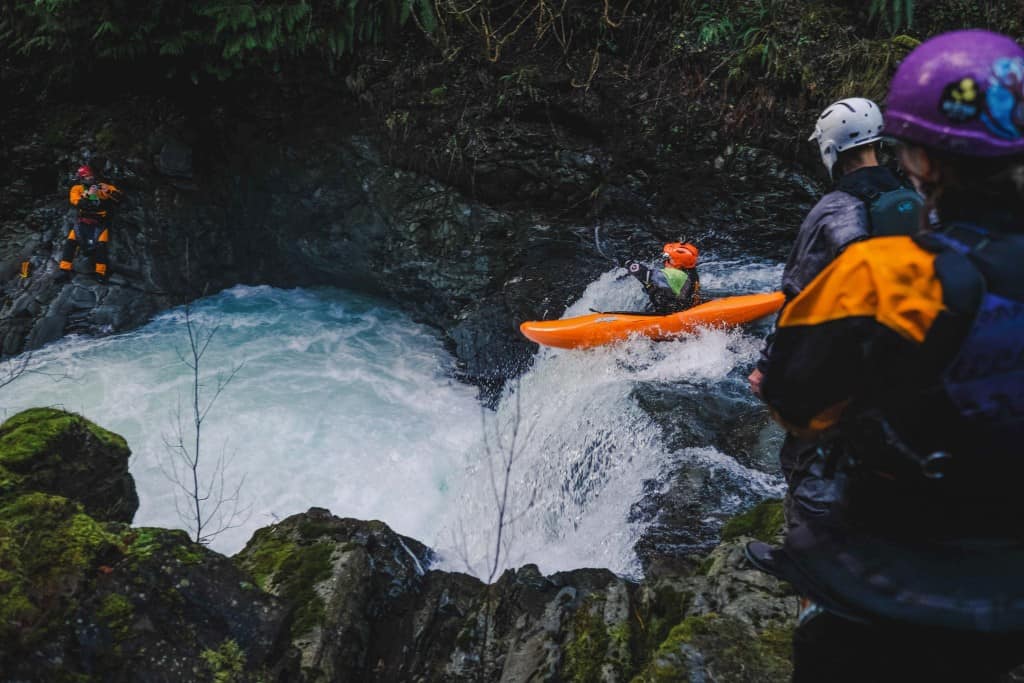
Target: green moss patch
[[291, 571], [34, 432], [47, 548], [725, 647], [116, 614], [666, 609], [226, 664], [597, 645], [764, 522], [585, 654], [296, 580]]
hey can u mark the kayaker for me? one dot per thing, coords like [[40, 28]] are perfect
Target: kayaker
[[907, 350], [673, 287], [91, 233], [867, 200]]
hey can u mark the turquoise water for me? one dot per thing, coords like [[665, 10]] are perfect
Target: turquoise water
[[342, 402]]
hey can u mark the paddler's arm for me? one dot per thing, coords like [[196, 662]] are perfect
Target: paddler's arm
[[640, 272]]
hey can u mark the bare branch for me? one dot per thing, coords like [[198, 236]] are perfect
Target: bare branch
[[204, 501]]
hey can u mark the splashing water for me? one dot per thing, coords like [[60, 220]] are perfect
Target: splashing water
[[346, 404], [587, 450], [341, 403]]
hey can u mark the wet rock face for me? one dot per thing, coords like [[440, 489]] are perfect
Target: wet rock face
[[286, 196], [685, 517], [365, 609]]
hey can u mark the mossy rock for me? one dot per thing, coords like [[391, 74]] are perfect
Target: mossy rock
[[719, 648], [49, 548], [664, 607], [765, 522], [585, 654], [60, 453], [290, 569]]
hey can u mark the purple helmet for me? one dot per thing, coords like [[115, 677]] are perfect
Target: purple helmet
[[962, 92]]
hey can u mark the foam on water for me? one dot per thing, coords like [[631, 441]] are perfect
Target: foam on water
[[346, 404], [340, 403], [589, 449]]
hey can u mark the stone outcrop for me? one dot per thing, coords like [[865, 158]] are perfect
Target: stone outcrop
[[85, 596], [316, 598]]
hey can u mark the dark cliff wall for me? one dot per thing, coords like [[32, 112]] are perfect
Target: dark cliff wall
[[457, 173]]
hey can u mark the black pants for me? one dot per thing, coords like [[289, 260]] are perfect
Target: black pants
[[827, 648], [92, 238]]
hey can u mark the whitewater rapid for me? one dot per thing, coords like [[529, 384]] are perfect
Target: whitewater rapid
[[344, 403]]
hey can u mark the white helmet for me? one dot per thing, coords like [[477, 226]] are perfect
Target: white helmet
[[844, 125]]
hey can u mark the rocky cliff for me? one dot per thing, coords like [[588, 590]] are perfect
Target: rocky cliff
[[84, 596]]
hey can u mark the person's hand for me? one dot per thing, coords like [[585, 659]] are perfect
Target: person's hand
[[754, 379]]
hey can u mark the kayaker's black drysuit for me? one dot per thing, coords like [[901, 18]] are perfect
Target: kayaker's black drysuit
[[870, 201], [669, 289], [910, 352]]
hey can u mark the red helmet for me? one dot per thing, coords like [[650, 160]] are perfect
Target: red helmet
[[85, 172], [680, 255]]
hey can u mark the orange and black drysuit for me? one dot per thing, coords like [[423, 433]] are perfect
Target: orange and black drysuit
[[91, 231], [909, 353], [858, 208]]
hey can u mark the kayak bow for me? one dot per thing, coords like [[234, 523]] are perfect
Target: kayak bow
[[597, 329]]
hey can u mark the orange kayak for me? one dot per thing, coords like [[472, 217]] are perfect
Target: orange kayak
[[596, 329]]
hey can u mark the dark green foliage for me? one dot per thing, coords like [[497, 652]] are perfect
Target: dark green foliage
[[894, 14], [204, 37]]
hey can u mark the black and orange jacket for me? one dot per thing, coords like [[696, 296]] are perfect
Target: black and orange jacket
[[878, 329], [94, 206], [858, 333]]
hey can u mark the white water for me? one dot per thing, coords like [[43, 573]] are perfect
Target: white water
[[345, 404]]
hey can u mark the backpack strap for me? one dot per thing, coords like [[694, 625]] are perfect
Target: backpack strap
[[892, 208]]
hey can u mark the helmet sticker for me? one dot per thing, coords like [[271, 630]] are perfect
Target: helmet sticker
[[960, 100], [1004, 98], [1001, 104]]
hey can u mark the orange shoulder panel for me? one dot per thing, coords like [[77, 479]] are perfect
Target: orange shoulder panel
[[890, 279], [76, 193], [108, 191]]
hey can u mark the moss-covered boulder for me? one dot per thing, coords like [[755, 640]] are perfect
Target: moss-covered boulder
[[765, 521], [341, 577], [49, 550], [169, 609], [85, 597], [719, 648], [87, 600], [56, 452]]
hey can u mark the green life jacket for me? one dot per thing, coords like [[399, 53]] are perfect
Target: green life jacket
[[676, 279]]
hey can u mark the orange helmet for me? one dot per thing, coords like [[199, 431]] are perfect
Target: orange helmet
[[680, 255]]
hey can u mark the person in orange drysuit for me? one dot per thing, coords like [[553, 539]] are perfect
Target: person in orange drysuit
[[91, 233]]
